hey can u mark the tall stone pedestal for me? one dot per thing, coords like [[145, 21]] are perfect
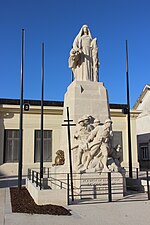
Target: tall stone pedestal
[[83, 98], [87, 98], [96, 186]]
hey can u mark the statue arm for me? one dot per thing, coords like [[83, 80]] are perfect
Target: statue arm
[[73, 58], [92, 135], [77, 44], [70, 62]]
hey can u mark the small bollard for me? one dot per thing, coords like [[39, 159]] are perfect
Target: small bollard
[[32, 176], [94, 191], [148, 185], [109, 187], [137, 173], [60, 184], [36, 179], [48, 172], [67, 188], [29, 174]]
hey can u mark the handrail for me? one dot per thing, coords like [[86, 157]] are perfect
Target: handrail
[[80, 190]]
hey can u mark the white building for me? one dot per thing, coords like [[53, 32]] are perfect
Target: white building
[[142, 106], [9, 133]]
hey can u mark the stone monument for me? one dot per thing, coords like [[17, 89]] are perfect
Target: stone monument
[[87, 100], [93, 156]]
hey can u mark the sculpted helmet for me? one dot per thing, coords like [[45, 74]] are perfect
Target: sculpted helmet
[[108, 121], [97, 121]]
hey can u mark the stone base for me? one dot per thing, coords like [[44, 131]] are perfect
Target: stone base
[[144, 185], [87, 97], [83, 98], [95, 186], [60, 169], [44, 197]]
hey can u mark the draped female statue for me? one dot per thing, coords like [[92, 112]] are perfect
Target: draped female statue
[[84, 56]]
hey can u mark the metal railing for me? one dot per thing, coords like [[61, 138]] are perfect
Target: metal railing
[[81, 189], [135, 172], [97, 187], [55, 179], [139, 175]]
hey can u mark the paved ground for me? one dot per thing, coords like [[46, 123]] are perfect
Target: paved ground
[[2, 205], [116, 213]]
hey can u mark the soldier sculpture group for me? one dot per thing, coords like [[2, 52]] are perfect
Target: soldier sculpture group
[[94, 145]]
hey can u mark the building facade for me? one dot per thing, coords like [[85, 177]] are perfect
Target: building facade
[[53, 116], [143, 128]]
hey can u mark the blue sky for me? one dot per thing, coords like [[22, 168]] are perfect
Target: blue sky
[[56, 23]]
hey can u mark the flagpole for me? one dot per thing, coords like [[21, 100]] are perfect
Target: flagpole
[[129, 126], [42, 99], [21, 116]]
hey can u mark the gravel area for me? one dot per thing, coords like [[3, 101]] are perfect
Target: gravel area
[[22, 202]]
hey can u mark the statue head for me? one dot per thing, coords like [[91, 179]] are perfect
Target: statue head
[[96, 122], [81, 121], [86, 119], [85, 29], [108, 123]]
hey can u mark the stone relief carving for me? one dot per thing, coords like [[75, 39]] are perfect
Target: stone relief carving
[[59, 159], [82, 132], [114, 160], [94, 149], [84, 56]]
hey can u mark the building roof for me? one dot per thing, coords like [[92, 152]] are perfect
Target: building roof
[[49, 103], [30, 102]]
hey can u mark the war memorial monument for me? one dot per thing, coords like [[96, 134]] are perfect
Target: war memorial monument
[[88, 102], [93, 157]]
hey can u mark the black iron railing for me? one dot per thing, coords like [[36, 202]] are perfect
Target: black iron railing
[[81, 189]]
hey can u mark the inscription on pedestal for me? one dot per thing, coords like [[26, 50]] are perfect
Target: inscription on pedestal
[[96, 185]]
